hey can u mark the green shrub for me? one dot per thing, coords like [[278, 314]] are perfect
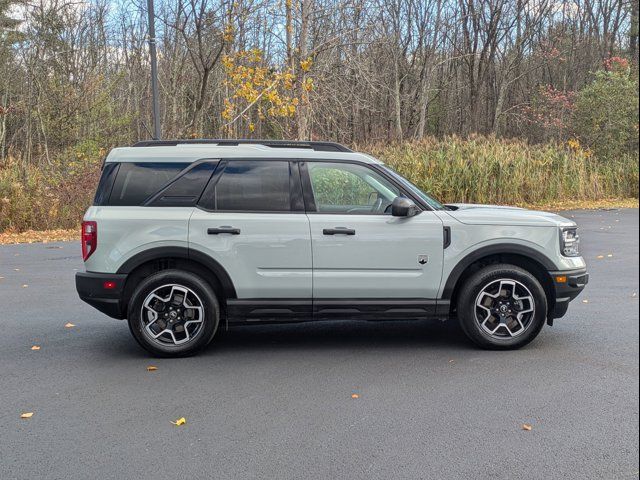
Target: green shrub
[[606, 114]]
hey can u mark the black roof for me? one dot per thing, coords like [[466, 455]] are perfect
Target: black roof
[[317, 146]]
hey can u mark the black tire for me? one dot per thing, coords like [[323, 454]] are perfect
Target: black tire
[[210, 312], [488, 277]]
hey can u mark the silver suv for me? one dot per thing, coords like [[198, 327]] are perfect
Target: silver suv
[[186, 237]]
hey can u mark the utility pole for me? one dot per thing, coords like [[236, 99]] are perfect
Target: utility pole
[[154, 71]]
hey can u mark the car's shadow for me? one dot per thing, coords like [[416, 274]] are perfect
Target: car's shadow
[[341, 334], [324, 335]]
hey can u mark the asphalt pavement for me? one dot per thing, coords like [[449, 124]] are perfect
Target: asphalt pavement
[[389, 400]]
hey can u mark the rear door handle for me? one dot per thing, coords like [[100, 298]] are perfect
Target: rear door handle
[[219, 230], [338, 231]]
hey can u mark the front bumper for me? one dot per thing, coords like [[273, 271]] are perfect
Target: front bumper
[[573, 284], [102, 291]]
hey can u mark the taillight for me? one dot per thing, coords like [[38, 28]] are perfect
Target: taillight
[[89, 239]]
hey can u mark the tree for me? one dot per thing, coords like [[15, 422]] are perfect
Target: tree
[[606, 111]]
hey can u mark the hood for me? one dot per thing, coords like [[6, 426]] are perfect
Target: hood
[[474, 214]]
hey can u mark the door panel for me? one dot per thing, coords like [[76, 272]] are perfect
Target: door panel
[[251, 222], [360, 251], [269, 257], [384, 258]]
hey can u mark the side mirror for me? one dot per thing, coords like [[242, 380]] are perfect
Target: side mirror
[[404, 207]]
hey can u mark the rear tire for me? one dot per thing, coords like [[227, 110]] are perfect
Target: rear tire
[[502, 307], [173, 313]]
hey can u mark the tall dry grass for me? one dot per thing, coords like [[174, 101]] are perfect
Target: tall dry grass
[[45, 197], [476, 170], [489, 170]]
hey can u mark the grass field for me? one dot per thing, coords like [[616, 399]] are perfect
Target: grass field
[[474, 170]]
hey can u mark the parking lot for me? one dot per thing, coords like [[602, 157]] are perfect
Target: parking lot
[[325, 400]]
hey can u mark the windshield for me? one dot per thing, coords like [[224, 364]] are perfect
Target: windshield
[[436, 205]]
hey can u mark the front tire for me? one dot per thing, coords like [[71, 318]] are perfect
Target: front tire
[[502, 307], [173, 313]]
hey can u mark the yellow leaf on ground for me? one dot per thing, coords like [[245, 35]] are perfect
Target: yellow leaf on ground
[[25, 285], [26, 415], [180, 421], [151, 368], [599, 257], [527, 427], [35, 347], [585, 301], [69, 325], [355, 395]]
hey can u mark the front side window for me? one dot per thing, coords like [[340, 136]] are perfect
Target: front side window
[[432, 202], [350, 189], [253, 186]]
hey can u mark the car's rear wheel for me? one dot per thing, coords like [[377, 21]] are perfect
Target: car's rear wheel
[[502, 307], [173, 313]]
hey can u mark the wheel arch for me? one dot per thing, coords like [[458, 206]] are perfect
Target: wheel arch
[[527, 258], [164, 258]]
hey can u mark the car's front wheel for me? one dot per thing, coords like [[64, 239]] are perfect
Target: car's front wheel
[[502, 307], [173, 313]]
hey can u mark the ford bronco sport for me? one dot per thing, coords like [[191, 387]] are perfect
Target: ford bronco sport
[[187, 237]]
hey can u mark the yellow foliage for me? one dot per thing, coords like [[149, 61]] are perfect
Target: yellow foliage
[[250, 83], [308, 84], [305, 65]]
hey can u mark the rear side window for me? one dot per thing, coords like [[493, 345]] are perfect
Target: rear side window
[[186, 189], [135, 182], [109, 172], [253, 186]]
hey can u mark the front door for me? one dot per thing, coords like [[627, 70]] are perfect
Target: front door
[[360, 252]]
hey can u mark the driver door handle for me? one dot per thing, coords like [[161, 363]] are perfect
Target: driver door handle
[[338, 231], [225, 229]]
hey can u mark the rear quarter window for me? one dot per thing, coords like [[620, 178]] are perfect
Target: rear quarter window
[[135, 182]]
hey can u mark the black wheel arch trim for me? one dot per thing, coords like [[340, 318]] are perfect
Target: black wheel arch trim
[[489, 250], [160, 253]]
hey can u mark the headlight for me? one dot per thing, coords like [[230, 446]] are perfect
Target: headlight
[[570, 242]]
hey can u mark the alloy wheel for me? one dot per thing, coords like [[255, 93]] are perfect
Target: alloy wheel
[[172, 315], [504, 308]]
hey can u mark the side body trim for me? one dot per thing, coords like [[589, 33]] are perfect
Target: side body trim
[[497, 249], [251, 311], [162, 253]]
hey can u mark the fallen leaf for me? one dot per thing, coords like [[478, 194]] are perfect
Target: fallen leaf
[[585, 301], [25, 285], [35, 347], [599, 257], [16, 269], [634, 295], [151, 368], [610, 255], [527, 427], [26, 415], [69, 325], [355, 395], [451, 361], [180, 421]]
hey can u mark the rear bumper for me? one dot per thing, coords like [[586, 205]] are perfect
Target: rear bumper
[[576, 280], [92, 289]]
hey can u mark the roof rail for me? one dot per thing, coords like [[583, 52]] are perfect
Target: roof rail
[[317, 146]]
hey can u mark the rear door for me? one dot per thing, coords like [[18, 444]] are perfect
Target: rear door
[[251, 221], [360, 251]]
